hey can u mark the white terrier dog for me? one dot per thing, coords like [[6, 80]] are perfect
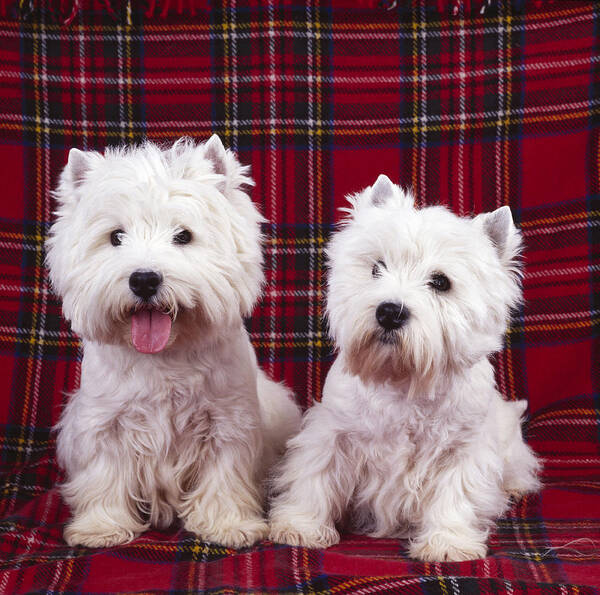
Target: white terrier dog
[[411, 438], [156, 255]]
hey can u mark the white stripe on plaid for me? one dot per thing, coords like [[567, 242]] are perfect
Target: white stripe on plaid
[[423, 105], [311, 87], [272, 314], [502, 355], [291, 78], [462, 103], [234, 74], [83, 82], [532, 110], [120, 81]]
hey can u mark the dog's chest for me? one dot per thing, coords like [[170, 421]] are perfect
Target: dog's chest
[[160, 425], [405, 446]]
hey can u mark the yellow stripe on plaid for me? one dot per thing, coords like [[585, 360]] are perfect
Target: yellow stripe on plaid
[[159, 547], [34, 341], [362, 132], [559, 218], [586, 324], [562, 412], [355, 582]]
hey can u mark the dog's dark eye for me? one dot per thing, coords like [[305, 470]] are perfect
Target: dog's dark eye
[[183, 237], [439, 282], [116, 237], [377, 268]]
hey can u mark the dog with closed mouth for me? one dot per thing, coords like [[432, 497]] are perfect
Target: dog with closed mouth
[[412, 438]]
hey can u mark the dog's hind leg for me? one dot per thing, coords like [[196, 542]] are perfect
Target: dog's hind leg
[[521, 467], [279, 413]]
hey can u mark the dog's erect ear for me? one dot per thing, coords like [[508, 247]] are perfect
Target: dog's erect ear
[[75, 172], [215, 152], [77, 167], [226, 164], [382, 190], [499, 227]]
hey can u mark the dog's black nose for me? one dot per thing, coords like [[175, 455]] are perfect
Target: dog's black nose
[[391, 316], [145, 283]]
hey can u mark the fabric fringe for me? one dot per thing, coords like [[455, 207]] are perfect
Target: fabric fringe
[[65, 11]]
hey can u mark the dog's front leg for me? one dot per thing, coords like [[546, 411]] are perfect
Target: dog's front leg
[[458, 508], [100, 497], [314, 484], [101, 485], [224, 505]]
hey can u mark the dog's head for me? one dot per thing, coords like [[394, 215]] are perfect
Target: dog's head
[[416, 294], [150, 244]]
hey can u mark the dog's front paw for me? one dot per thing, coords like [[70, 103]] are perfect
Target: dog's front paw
[[318, 536], [96, 534], [230, 533], [447, 547]]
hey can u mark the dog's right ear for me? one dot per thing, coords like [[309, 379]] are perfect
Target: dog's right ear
[[381, 193], [77, 167], [384, 191], [75, 173]]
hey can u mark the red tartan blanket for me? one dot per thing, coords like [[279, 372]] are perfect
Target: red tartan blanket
[[472, 110]]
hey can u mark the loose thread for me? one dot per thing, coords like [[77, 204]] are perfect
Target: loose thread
[[567, 547], [485, 6], [75, 7]]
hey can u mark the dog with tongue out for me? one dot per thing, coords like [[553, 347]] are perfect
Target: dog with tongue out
[[156, 255]]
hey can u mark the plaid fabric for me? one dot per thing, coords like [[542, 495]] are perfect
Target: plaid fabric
[[473, 111]]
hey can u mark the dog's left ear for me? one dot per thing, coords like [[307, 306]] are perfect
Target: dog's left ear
[[499, 227], [226, 164], [215, 152], [382, 190]]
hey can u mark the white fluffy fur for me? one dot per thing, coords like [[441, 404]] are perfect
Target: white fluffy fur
[[189, 431], [411, 438]]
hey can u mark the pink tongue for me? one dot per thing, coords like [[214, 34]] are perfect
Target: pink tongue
[[150, 330]]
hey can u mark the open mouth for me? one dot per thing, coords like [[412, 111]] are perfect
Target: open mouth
[[150, 329]]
